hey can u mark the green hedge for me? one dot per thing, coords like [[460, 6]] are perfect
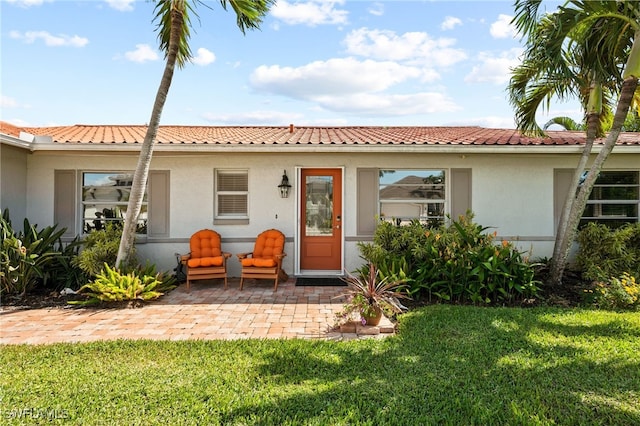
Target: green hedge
[[459, 262], [604, 253]]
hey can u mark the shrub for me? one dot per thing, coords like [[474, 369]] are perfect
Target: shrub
[[101, 247], [63, 273], [30, 257], [604, 253], [459, 262], [111, 285], [167, 280], [618, 293]]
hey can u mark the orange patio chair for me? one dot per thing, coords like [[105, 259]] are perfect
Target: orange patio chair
[[206, 259], [265, 261]]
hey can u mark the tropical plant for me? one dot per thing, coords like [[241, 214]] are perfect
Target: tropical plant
[[173, 26], [62, 272], [618, 293], [590, 49], [111, 285], [566, 123], [604, 252], [101, 247], [459, 262], [369, 294], [632, 122], [27, 257]]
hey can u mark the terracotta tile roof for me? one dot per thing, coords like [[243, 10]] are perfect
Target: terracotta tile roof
[[286, 135], [9, 129]]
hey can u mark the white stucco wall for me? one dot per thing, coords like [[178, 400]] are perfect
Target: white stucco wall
[[13, 182], [511, 192]]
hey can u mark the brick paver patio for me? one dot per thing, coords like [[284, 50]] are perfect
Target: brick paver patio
[[207, 312]]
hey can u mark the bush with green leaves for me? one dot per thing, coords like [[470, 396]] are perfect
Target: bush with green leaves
[[604, 253], [459, 262], [617, 293], [101, 247], [136, 285], [33, 257], [62, 272]]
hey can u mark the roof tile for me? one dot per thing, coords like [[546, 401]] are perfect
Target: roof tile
[[265, 135]]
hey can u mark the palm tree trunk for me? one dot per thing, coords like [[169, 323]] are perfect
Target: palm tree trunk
[[558, 260], [594, 110], [146, 151], [626, 95], [627, 91]]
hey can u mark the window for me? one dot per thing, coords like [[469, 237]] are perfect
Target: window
[[614, 199], [405, 195], [105, 196], [232, 194]]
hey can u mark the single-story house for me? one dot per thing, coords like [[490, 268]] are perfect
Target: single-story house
[[342, 180]]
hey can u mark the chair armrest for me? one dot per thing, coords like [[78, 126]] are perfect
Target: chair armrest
[[281, 256], [226, 254], [184, 258], [243, 255]]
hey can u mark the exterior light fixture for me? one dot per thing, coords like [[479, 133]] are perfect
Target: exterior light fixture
[[284, 186]]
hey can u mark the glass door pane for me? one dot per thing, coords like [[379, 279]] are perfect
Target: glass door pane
[[319, 205]]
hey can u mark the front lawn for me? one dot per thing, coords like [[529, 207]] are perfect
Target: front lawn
[[458, 365]]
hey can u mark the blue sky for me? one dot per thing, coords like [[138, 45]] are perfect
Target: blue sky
[[313, 63]]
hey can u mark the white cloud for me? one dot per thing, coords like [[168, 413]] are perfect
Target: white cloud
[[121, 5], [348, 85], [203, 57], [494, 69], [27, 3], [49, 39], [253, 118], [7, 102], [311, 13], [143, 53], [416, 47], [450, 23], [18, 122], [376, 9], [502, 28], [385, 105], [332, 77]]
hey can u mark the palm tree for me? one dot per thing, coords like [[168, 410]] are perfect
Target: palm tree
[[173, 26], [566, 123], [632, 123], [578, 50]]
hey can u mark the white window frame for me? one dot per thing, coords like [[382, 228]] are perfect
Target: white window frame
[[218, 193]]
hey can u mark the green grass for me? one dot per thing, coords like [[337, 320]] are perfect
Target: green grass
[[455, 365]]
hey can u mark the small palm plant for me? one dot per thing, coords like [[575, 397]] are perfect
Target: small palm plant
[[370, 295], [136, 286]]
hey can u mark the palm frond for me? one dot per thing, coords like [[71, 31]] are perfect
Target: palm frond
[[566, 122], [165, 12]]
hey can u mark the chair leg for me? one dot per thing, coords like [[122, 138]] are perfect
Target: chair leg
[[188, 289], [275, 288], [241, 281], [225, 282]]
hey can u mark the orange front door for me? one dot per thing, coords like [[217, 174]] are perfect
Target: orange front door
[[321, 220]]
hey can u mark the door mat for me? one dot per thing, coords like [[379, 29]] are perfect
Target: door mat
[[319, 281]]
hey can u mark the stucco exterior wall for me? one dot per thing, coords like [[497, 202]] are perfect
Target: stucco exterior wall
[[13, 182], [513, 193]]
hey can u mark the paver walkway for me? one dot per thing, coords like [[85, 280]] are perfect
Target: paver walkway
[[207, 312]]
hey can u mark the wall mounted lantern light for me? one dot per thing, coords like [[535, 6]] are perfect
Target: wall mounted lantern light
[[284, 186]]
